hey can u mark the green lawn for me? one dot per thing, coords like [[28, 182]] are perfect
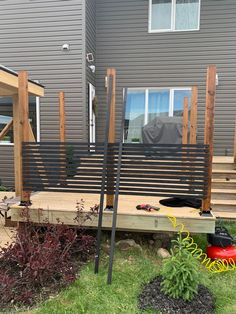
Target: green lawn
[[91, 295]]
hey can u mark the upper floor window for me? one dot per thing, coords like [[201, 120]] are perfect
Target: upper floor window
[[174, 15]]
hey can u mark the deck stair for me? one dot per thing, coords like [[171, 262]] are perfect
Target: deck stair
[[224, 187]]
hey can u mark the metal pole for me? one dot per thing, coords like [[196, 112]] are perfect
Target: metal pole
[[99, 231], [119, 162]]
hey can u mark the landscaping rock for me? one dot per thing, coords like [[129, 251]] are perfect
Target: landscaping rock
[[158, 244], [163, 253], [166, 244], [125, 245], [151, 242], [106, 248]]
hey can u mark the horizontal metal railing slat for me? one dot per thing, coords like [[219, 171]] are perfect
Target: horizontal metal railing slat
[[145, 170]]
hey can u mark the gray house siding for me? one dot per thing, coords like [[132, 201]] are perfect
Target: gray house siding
[[31, 35], [90, 36], [173, 59], [90, 22], [6, 166]]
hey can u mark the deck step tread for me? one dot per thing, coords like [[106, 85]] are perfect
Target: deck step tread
[[224, 171], [224, 191], [223, 180], [223, 202], [223, 214], [223, 160]]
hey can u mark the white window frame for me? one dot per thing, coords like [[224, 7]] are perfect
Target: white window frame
[[172, 29], [37, 122], [171, 98]]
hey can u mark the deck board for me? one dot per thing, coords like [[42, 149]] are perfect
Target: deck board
[[52, 206]]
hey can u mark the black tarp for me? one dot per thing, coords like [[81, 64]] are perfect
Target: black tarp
[[163, 130]]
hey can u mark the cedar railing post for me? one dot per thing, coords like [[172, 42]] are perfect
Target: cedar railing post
[[17, 132], [62, 164], [185, 122], [193, 116], [111, 140], [21, 133], [209, 130], [193, 122], [62, 116]]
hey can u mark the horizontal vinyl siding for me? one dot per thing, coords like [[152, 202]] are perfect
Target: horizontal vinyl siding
[[31, 35], [90, 36], [6, 166], [90, 47], [171, 59]]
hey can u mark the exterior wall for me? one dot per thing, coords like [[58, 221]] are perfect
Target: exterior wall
[[32, 34], [90, 22], [91, 36], [6, 166], [172, 59]]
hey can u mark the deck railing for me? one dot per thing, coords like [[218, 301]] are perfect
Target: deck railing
[[153, 170]]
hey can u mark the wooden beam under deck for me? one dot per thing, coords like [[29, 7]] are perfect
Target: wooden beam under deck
[[52, 206]]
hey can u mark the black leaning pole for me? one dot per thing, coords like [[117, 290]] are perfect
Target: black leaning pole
[[104, 169], [117, 188]]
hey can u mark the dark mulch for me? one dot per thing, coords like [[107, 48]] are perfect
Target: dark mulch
[[153, 297]]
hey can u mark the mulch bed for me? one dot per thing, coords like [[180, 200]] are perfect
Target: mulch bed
[[152, 297]]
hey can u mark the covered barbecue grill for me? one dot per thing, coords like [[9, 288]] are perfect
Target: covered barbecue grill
[[163, 130]]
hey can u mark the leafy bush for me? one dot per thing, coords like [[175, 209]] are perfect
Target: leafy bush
[[180, 273], [41, 260]]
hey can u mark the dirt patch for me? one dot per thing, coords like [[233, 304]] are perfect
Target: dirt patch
[[152, 297]]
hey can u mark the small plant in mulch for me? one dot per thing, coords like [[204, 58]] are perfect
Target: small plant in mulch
[[178, 289], [43, 259]]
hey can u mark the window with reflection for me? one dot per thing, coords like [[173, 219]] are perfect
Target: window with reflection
[[174, 15], [144, 105], [6, 116]]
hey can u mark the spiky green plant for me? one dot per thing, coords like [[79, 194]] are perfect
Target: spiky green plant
[[180, 273]]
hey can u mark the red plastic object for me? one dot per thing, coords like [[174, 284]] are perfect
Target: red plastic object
[[216, 252]]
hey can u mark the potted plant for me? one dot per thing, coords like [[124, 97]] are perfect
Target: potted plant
[[135, 140]]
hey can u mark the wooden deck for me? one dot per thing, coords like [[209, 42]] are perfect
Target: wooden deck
[[6, 234], [52, 206]]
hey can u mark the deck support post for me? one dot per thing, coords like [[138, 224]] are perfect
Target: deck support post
[[209, 131], [21, 133], [111, 140], [193, 116], [63, 151], [62, 116], [185, 122]]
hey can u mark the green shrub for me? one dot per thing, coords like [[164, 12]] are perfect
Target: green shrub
[[180, 273]]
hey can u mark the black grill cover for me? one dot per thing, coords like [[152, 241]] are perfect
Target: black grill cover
[[163, 130]]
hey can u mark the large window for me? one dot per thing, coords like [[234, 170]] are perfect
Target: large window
[[6, 114], [174, 15], [144, 105]]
